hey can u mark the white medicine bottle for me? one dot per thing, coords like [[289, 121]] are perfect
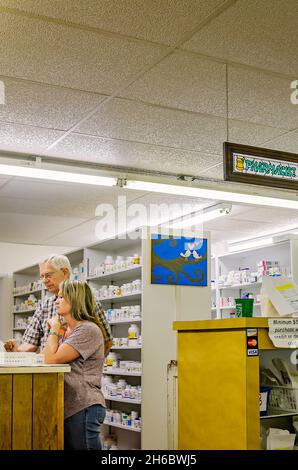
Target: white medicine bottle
[[133, 331]]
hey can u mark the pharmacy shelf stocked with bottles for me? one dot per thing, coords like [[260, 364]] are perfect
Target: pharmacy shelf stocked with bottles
[[239, 275], [114, 271]]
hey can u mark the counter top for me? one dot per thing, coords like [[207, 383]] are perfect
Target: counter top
[[40, 369], [228, 324]]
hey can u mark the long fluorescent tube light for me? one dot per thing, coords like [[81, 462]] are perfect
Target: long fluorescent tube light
[[53, 175], [247, 244], [212, 194], [206, 214]]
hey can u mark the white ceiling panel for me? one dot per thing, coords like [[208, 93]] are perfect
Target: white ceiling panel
[[133, 154], [45, 106], [165, 22], [82, 59], [28, 228], [261, 99], [251, 134], [258, 33], [64, 196], [21, 138], [285, 143], [230, 224], [129, 120], [214, 172], [285, 217], [82, 235], [184, 81]]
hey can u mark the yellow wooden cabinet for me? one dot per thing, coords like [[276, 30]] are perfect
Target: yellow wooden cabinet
[[218, 384]]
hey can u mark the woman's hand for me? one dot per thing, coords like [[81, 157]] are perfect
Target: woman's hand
[[55, 323]]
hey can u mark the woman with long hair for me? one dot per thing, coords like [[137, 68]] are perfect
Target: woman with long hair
[[82, 346]]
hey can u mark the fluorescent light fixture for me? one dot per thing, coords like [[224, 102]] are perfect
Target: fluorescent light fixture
[[204, 215], [193, 191], [247, 244], [54, 175]]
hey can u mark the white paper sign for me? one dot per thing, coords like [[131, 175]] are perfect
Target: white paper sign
[[283, 332], [283, 293]]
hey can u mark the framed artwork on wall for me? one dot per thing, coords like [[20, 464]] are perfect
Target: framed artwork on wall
[[178, 261]]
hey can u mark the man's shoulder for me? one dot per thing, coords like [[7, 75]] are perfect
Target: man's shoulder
[[47, 302]]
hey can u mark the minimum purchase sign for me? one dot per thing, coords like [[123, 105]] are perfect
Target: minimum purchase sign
[[283, 332]]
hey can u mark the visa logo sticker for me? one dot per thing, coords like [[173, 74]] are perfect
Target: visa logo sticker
[[252, 352]]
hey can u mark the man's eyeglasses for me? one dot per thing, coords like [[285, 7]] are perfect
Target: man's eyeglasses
[[48, 275]]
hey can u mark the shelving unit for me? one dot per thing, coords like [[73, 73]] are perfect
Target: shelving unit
[[283, 251], [94, 257]]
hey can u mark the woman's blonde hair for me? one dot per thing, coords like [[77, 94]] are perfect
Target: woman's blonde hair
[[79, 295]]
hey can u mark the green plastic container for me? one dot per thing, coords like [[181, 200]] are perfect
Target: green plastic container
[[244, 307]]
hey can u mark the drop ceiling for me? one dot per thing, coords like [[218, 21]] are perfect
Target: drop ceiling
[[152, 85]]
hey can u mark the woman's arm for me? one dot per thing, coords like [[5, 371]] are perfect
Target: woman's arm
[[53, 353]]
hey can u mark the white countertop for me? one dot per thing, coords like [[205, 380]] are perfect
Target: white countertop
[[40, 369]]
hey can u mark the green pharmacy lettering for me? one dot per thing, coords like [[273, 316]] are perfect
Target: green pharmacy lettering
[[268, 168]]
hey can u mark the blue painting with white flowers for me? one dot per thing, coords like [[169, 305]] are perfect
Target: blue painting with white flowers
[[178, 260]]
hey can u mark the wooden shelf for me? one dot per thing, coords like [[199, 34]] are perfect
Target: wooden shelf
[[23, 294], [240, 286], [121, 322], [278, 414], [123, 274], [19, 312], [122, 298], [120, 372], [122, 400], [127, 428]]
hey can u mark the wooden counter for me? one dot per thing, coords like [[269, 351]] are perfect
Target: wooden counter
[[32, 407], [218, 384]]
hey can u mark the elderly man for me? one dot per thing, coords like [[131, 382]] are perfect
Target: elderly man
[[53, 271]]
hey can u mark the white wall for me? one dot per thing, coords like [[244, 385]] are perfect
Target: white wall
[[15, 256]]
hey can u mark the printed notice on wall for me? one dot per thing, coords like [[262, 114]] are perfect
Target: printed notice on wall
[[283, 332]]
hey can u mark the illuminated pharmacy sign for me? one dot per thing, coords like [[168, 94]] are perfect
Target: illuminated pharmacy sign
[[255, 165]]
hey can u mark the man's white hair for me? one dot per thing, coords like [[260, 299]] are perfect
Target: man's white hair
[[58, 262]]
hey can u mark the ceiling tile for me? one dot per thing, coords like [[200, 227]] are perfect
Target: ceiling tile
[[285, 143], [60, 55], [122, 119], [258, 33], [16, 137], [228, 225], [214, 172], [133, 155], [45, 106], [279, 216], [59, 199], [184, 81], [82, 235], [247, 133], [260, 98], [165, 22], [25, 228]]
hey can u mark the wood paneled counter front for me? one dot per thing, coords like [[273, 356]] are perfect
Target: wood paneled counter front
[[32, 407]]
